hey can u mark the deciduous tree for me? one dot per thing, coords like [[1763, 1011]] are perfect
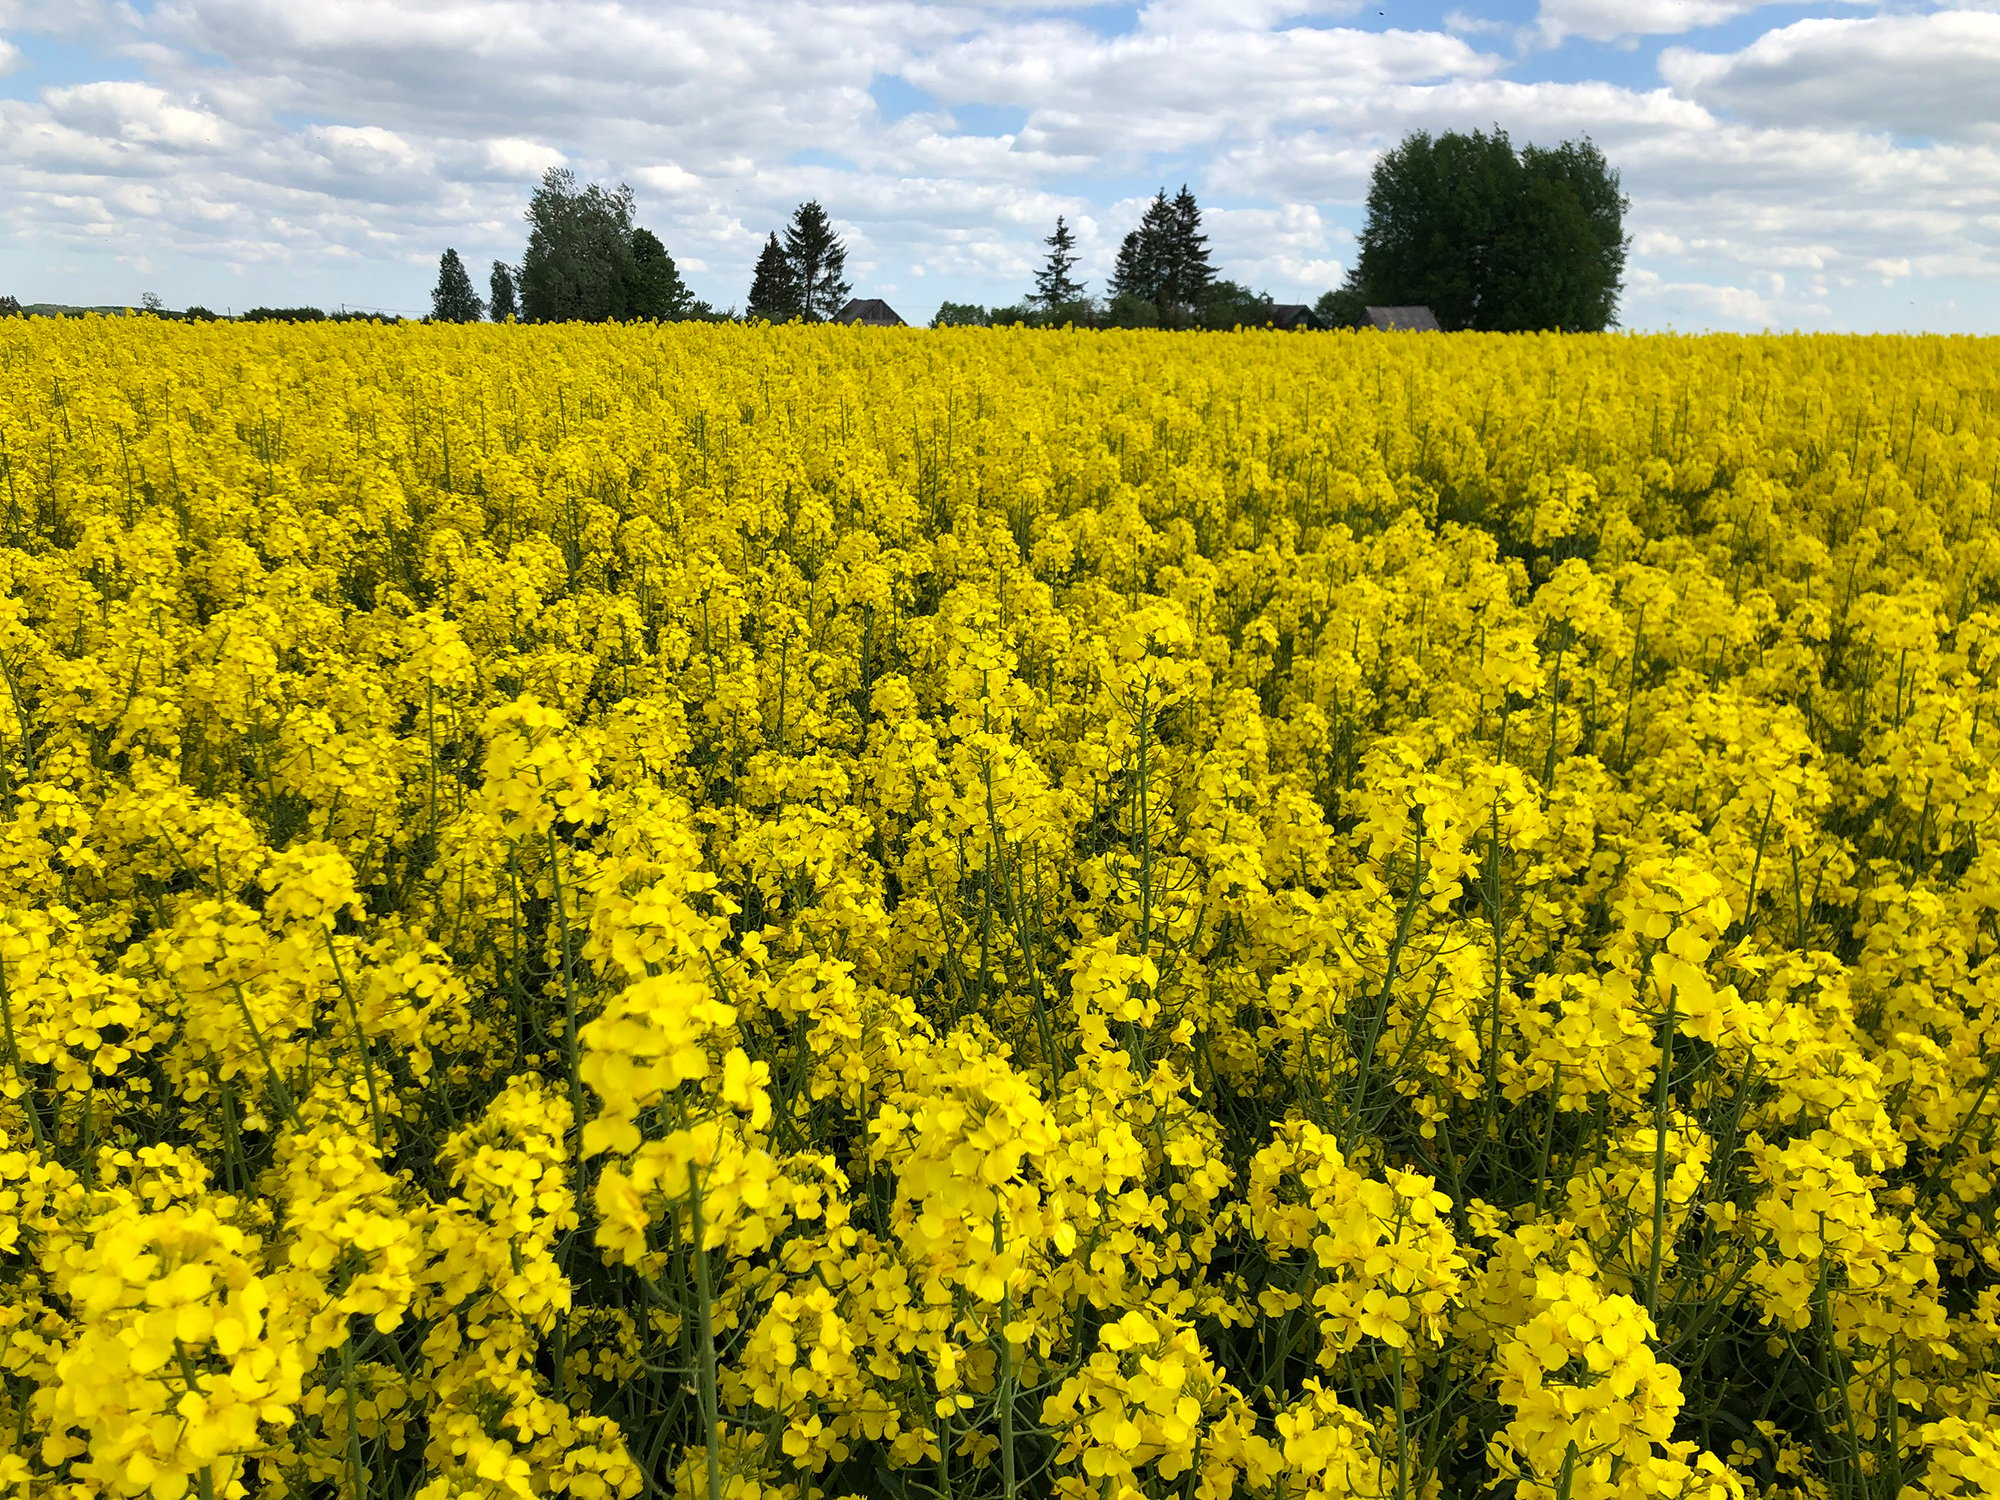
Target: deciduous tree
[[579, 262], [1491, 238]]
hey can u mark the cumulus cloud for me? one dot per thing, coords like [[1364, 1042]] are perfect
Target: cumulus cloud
[[1611, 20], [334, 150], [1705, 304], [510, 156], [1919, 75]]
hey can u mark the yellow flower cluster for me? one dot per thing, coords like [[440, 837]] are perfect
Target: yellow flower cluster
[[795, 914]]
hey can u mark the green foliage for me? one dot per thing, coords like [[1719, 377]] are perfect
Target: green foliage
[[1055, 287], [658, 294], [587, 261], [579, 263], [284, 315], [198, 314], [960, 315], [1491, 238], [1561, 263], [10, 307], [774, 290], [1343, 307], [501, 302], [818, 263], [1229, 304], [1130, 310], [452, 299]]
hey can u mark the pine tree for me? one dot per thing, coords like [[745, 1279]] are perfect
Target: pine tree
[[657, 292], [501, 305], [452, 299], [817, 260], [774, 293], [1055, 288]]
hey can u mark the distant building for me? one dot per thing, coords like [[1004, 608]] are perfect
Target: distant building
[[870, 312], [1294, 316], [1403, 319]]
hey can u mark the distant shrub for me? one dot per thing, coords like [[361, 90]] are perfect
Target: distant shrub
[[1129, 311], [285, 315], [10, 307]]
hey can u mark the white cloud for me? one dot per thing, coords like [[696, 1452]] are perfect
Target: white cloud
[[12, 59], [1612, 20], [331, 151], [137, 115], [1920, 75], [511, 156], [366, 149]]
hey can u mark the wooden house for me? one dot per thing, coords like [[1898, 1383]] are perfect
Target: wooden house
[[1294, 316], [1403, 319], [870, 312]]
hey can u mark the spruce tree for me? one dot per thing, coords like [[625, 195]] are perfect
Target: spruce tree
[[774, 293], [1141, 255], [1145, 260], [1055, 287], [817, 260], [1165, 261], [452, 299], [501, 305], [1189, 273]]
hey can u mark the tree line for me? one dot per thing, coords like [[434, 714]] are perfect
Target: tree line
[[1164, 277], [1486, 235]]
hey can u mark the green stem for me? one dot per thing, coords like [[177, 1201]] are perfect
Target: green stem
[[705, 1336], [1660, 1088]]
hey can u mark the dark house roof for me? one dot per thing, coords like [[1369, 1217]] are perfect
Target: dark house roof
[[1407, 319], [870, 311], [1294, 315]]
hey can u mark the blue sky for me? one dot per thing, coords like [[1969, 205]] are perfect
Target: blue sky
[[1833, 164]]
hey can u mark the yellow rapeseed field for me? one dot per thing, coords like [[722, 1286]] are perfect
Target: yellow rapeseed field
[[791, 913]]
